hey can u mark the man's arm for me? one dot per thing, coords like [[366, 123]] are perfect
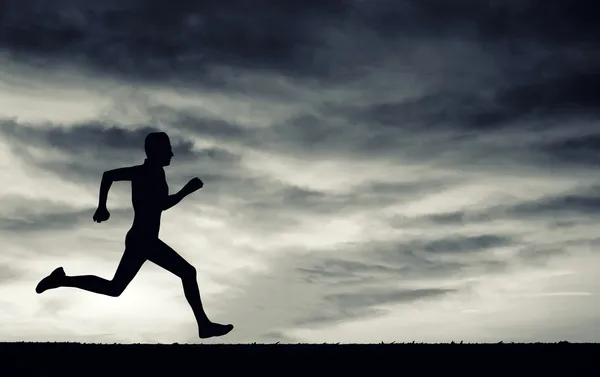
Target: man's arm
[[174, 199], [110, 176], [193, 185]]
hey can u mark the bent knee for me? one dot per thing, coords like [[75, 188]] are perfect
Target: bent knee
[[116, 290], [188, 273]]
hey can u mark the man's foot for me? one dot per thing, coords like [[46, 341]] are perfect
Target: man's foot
[[51, 281], [214, 329]]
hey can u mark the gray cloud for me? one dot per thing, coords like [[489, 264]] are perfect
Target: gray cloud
[[45, 221], [276, 201], [336, 41], [95, 147], [581, 150], [353, 281], [466, 244], [264, 204], [322, 291], [88, 138], [493, 21], [536, 74], [22, 215], [569, 95], [458, 88], [363, 304], [9, 274], [570, 207], [269, 31], [299, 134], [54, 307], [122, 37], [374, 298], [577, 204], [442, 127]]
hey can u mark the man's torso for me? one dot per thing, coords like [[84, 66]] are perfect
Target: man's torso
[[149, 190]]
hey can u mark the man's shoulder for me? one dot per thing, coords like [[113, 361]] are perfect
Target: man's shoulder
[[138, 171], [149, 171]]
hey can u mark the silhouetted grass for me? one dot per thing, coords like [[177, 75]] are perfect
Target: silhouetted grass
[[317, 359]]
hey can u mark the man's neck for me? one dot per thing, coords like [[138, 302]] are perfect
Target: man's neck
[[151, 164]]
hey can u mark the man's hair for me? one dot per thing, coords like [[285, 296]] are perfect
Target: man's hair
[[154, 141]]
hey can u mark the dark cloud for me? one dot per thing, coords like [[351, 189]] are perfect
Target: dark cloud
[[552, 21], [571, 93], [368, 195], [349, 301], [262, 204], [299, 133], [576, 204], [478, 67], [45, 221], [543, 77], [348, 306], [373, 275], [357, 283], [154, 40], [377, 262], [203, 126], [272, 206], [346, 272], [377, 274], [91, 138], [467, 244], [562, 210], [24, 216], [440, 110], [581, 150], [329, 135], [443, 127], [420, 260], [92, 148]]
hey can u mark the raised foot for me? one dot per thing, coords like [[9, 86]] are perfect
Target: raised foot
[[214, 329], [51, 281]]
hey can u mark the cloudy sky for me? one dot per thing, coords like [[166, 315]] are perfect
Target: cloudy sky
[[382, 170]]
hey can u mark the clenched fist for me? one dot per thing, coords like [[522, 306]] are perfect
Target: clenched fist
[[101, 215], [193, 185]]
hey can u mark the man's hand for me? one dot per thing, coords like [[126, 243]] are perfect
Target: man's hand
[[101, 215], [193, 185]]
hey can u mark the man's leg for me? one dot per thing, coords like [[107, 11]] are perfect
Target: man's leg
[[130, 264], [164, 256]]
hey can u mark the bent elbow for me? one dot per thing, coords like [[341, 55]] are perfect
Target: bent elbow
[[107, 176]]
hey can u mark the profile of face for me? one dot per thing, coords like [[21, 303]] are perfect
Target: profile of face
[[158, 148]]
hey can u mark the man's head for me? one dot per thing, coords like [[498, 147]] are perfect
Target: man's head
[[158, 148]]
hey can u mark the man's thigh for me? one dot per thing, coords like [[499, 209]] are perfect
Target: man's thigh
[[164, 256]]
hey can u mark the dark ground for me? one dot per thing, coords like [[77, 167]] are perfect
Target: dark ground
[[32, 359]]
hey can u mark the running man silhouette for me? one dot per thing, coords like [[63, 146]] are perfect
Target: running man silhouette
[[150, 196]]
